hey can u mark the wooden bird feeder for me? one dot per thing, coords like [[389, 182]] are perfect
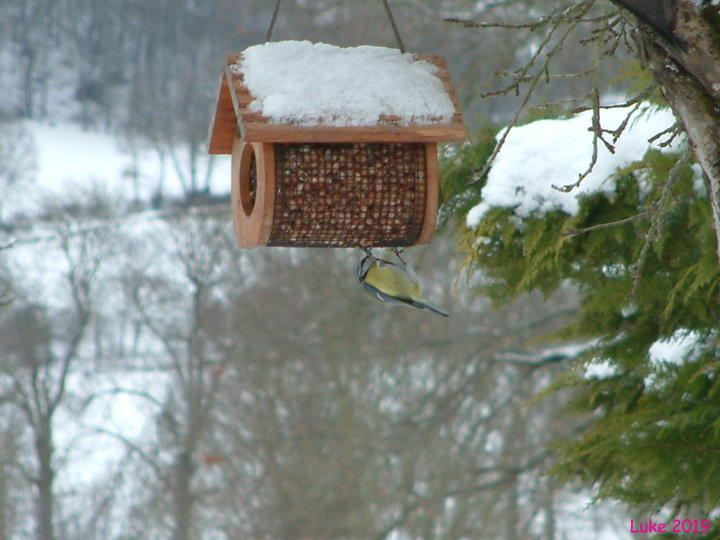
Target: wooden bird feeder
[[328, 185]]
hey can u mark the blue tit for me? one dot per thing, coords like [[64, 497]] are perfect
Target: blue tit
[[393, 283]]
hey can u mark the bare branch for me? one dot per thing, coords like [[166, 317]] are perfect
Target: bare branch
[[24, 472], [121, 391], [674, 131], [573, 19], [574, 232], [598, 132], [488, 24], [134, 448]]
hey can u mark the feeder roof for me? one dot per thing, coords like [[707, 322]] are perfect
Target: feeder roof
[[296, 91]]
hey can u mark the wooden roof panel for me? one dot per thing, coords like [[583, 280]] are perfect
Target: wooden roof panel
[[232, 114]]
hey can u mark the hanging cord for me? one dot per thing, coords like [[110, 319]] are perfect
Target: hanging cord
[[394, 26], [268, 36]]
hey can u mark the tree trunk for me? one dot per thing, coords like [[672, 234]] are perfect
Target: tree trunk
[[28, 53], [548, 504], [5, 508], [680, 44], [700, 118], [182, 497], [512, 456], [45, 501]]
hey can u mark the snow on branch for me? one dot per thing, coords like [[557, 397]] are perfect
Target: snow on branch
[[539, 154]]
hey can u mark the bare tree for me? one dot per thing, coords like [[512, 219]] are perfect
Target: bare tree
[[40, 350], [11, 498], [17, 166], [31, 29], [177, 313], [339, 417], [6, 294]]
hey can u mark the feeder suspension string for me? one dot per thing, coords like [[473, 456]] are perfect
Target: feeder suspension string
[[394, 26], [268, 36], [390, 17]]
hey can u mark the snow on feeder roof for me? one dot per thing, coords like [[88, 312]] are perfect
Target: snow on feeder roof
[[362, 123], [297, 82]]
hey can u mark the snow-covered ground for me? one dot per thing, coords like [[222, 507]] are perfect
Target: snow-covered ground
[[67, 159]]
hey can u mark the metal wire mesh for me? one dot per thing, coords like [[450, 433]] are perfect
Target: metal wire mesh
[[347, 195]]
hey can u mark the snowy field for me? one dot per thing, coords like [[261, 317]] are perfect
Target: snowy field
[[67, 158]]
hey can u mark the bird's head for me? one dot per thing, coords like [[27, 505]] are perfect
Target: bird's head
[[364, 267]]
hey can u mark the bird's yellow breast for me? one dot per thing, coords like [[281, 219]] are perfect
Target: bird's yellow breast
[[392, 281]]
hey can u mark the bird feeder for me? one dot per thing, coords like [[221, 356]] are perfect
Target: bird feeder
[[329, 181]]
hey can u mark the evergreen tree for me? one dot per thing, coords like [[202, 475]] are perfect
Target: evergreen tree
[[642, 256], [642, 253]]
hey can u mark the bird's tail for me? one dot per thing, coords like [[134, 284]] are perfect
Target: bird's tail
[[432, 308]]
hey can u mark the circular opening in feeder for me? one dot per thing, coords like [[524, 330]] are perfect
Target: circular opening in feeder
[[248, 179]]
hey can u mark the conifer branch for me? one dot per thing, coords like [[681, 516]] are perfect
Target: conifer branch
[[656, 221]]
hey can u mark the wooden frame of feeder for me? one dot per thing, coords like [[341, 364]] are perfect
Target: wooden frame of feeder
[[262, 150]]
